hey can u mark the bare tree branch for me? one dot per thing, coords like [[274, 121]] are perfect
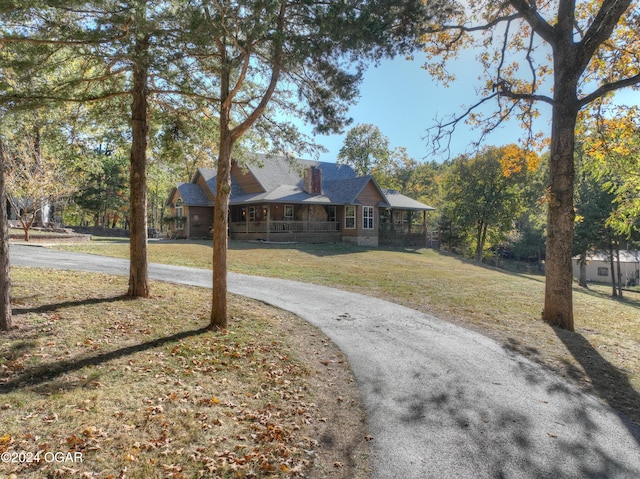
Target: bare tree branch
[[609, 87], [477, 28], [538, 24]]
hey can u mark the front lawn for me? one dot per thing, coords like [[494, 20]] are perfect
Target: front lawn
[[602, 356]]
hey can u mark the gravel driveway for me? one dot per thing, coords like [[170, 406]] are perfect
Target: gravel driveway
[[442, 402]]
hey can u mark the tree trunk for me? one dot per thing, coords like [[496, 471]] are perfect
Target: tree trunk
[[614, 292], [479, 244], [558, 301], [5, 281], [138, 274], [219, 315], [228, 137], [619, 273], [582, 280]]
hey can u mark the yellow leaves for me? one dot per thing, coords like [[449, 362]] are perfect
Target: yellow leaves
[[615, 136], [5, 441], [514, 160]]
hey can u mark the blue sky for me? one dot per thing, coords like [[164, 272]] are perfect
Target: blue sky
[[401, 99]]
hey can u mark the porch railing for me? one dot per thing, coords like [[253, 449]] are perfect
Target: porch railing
[[304, 226], [402, 228], [286, 226]]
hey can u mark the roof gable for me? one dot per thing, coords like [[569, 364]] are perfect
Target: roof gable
[[206, 178], [274, 171], [193, 195], [346, 191]]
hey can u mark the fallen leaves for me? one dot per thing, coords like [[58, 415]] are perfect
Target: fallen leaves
[[233, 404]]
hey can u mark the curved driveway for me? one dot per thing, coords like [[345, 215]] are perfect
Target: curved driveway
[[442, 402]]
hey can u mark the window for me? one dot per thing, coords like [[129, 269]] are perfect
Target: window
[[367, 217], [179, 215], [288, 212], [331, 213], [349, 217], [603, 271]]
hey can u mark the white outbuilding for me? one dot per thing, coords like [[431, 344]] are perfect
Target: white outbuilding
[[599, 267]]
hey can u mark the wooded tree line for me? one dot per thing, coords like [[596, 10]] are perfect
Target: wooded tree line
[[492, 205], [167, 84]]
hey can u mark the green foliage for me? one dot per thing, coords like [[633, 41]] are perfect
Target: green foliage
[[612, 160], [480, 199], [366, 150], [418, 180], [104, 193], [527, 240], [594, 206], [183, 141]]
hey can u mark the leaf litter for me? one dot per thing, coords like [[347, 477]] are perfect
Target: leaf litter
[[140, 390]]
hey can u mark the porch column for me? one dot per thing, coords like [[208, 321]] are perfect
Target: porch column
[[424, 228], [268, 222]]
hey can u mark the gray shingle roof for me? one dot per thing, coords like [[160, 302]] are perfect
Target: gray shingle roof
[[192, 195], [209, 175], [273, 171], [402, 202], [282, 194], [626, 256], [347, 190], [282, 181]]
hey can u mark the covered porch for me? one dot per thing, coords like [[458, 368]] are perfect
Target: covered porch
[[406, 227], [285, 223]]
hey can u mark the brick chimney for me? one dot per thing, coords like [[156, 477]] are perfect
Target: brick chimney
[[313, 180]]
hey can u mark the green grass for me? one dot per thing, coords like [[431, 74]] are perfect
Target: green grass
[[504, 305]]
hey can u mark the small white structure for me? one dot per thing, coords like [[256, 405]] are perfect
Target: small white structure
[[599, 267]]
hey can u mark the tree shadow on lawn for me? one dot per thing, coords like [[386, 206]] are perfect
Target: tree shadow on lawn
[[609, 382], [536, 277], [44, 373], [605, 380], [628, 299], [25, 336], [50, 308]]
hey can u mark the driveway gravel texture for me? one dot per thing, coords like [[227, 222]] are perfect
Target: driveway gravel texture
[[441, 401]]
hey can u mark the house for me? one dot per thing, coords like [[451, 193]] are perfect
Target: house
[[43, 212], [277, 199], [598, 267]]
